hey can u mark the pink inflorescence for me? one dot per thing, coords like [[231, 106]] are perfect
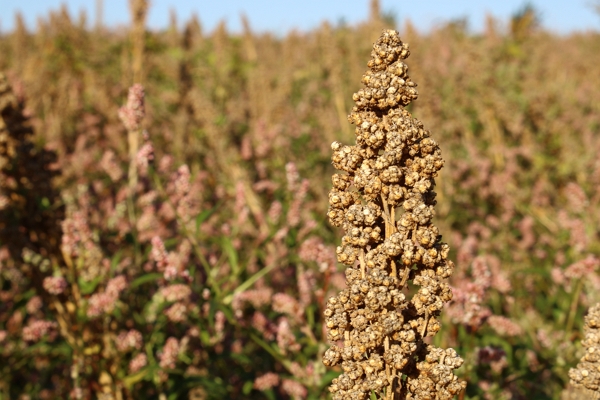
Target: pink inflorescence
[[176, 292], [182, 182], [583, 268], [144, 157], [109, 163], [132, 113], [37, 329], [467, 305], [116, 285], [285, 337], [177, 312], [76, 233], [138, 362], [294, 389], [129, 340], [266, 381], [55, 284], [34, 305], [168, 356], [286, 304], [100, 303], [171, 264], [313, 249], [504, 326], [159, 253]]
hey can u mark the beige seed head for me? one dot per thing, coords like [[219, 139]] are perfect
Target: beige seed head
[[384, 201]]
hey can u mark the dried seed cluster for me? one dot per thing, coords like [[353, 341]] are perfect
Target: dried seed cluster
[[384, 200], [587, 373]]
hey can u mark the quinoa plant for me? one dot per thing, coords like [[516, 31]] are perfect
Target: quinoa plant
[[586, 377], [397, 265]]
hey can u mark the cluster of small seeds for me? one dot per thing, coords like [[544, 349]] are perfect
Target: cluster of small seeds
[[384, 200], [587, 373]]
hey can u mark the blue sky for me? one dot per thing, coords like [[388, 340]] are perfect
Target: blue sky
[[279, 16]]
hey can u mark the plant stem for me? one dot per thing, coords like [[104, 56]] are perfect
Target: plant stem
[[574, 304]]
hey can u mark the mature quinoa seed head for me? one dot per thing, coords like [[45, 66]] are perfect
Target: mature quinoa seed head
[[384, 200], [586, 376]]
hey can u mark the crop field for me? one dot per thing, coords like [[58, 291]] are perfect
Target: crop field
[[165, 211]]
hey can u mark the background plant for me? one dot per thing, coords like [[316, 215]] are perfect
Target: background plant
[[252, 116]]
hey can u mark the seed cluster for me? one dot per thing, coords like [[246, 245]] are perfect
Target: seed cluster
[[384, 200], [587, 373]]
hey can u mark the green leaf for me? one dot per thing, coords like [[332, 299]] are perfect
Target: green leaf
[[45, 203], [186, 359], [249, 282], [328, 377], [145, 279], [139, 318], [270, 394], [231, 255], [205, 337], [203, 216], [247, 387], [310, 315], [115, 260], [135, 378], [88, 287]]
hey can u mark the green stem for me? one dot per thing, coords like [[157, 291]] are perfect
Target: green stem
[[249, 282], [132, 175], [132, 224], [276, 355], [573, 307]]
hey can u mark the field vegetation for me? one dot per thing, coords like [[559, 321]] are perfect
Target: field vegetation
[[170, 240]]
